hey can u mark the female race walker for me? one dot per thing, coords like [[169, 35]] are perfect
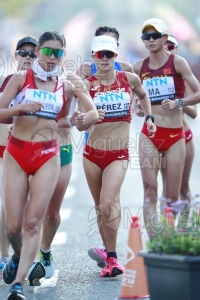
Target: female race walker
[[163, 76], [25, 56], [42, 103], [106, 153], [172, 46]]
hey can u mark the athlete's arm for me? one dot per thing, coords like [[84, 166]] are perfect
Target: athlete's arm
[[86, 115], [137, 87], [13, 87], [84, 70], [182, 67], [126, 66], [190, 110]]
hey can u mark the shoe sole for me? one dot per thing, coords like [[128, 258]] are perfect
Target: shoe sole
[[95, 256], [115, 272], [14, 296], [36, 274]]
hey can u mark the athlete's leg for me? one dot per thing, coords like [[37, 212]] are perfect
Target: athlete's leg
[[185, 194], [52, 217], [94, 175], [40, 194], [4, 243], [149, 165], [109, 206], [175, 160]]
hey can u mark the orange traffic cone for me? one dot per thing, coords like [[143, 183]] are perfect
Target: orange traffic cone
[[134, 280]]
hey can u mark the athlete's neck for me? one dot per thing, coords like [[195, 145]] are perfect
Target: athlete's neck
[[106, 78]]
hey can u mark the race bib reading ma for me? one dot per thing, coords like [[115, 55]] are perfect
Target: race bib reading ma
[[159, 88]]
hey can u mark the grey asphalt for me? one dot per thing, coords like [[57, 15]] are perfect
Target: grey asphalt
[[77, 277]]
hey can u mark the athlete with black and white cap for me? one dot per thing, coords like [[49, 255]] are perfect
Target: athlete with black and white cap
[[24, 55]]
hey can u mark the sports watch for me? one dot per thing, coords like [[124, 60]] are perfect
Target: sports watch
[[149, 117], [179, 103]]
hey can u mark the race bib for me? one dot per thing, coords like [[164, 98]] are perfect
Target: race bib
[[51, 102], [159, 88], [115, 103]]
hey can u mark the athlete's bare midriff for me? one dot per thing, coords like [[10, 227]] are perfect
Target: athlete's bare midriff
[[109, 136], [167, 118], [34, 129]]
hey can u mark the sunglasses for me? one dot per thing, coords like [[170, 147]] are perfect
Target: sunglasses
[[153, 35], [170, 47], [58, 53], [101, 54], [25, 53]]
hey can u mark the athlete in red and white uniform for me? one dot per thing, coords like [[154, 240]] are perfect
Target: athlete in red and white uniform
[[106, 154], [162, 75], [25, 56], [37, 116]]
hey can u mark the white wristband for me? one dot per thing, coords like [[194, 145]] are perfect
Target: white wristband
[[69, 123]]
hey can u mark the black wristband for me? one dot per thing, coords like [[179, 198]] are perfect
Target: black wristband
[[149, 117]]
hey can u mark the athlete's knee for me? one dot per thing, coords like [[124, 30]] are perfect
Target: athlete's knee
[[150, 192], [52, 217], [32, 226], [109, 208], [13, 229]]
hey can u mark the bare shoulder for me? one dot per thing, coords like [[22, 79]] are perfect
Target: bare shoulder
[[84, 70], [19, 77], [179, 60], [138, 66], [133, 79], [180, 64], [126, 66]]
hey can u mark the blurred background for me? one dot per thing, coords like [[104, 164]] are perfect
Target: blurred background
[[78, 20]]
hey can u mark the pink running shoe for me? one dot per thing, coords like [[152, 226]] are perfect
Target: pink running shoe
[[99, 255], [112, 268]]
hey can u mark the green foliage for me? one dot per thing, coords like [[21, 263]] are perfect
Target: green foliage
[[181, 241], [15, 8]]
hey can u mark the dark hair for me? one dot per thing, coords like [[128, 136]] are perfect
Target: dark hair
[[52, 35], [105, 29]]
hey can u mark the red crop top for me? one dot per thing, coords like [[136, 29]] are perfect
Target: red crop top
[[115, 99]]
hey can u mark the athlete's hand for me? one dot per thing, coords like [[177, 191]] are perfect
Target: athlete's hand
[[78, 118], [30, 107], [151, 127], [101, 113], [168, 104]]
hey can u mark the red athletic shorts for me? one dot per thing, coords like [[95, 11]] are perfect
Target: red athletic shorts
[[188, 136], [165, 137], [103, 158], [2, 149], [31, 155]]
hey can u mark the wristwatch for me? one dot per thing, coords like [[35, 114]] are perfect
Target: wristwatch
[[179, 103], [149, 117]]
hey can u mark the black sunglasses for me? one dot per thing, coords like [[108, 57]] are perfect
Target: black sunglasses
[[153, 35], [25, 53], [102, 53], [170, 47]]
